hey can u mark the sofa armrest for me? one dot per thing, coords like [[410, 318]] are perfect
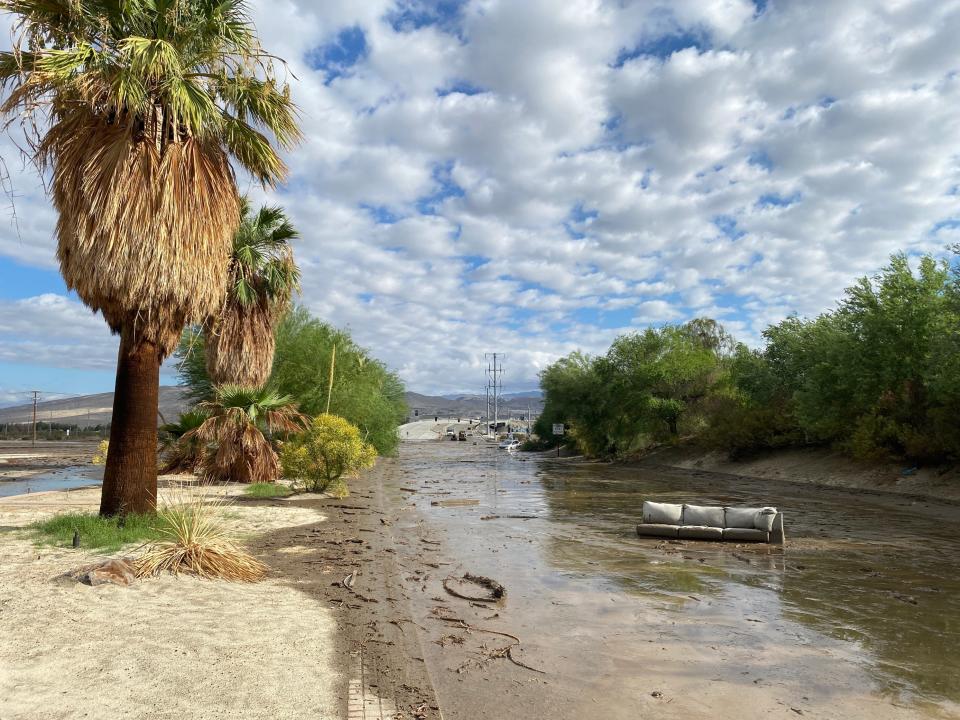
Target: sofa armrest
[[777, 536]]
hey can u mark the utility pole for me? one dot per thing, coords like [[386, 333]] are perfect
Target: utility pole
[[486, 412], [35, 394]]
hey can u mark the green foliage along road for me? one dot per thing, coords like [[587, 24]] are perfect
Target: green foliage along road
[[878, 377], [365, 392]]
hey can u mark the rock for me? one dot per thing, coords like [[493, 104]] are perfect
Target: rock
[[111, 572]]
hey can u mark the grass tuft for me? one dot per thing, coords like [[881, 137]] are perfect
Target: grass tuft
[[96, 533], [194, 541], [267, 490]]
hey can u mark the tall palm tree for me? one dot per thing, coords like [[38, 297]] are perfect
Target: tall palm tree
[[263, 276], [136, 108], [235, 433]]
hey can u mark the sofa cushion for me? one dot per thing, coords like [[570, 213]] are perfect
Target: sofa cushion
[[740, 517], [700, 532], [764, 519], [702, 515], [738, 534], [662, 513], [659, 530]]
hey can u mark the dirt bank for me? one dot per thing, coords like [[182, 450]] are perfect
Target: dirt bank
[[818, 467]]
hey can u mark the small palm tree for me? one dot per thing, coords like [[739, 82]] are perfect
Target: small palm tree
[[139, 109], [182, 449], [236, 432], [263, 277]]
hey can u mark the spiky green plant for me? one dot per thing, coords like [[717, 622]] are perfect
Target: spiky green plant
[[138, 110]]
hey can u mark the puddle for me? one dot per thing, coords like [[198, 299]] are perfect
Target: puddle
[[67, 478]]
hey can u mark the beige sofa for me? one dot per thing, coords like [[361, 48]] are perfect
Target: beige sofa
[[702, 522]]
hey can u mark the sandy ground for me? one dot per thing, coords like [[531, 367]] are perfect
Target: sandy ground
[[162, 648]]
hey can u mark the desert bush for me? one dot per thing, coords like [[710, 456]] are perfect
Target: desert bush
[[330, 450], [193, 540], [100, 456]]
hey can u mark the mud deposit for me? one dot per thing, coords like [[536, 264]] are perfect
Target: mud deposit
[[858, 617]]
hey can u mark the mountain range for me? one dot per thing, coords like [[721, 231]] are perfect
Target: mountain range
[[93, 410]]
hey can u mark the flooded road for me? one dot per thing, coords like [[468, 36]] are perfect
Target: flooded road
[[858, 616]]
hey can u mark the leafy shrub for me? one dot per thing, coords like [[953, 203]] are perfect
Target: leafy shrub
[[329, 451], [100, 456]]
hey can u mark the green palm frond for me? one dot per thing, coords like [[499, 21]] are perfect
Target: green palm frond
[[174, 68], [262, 267]]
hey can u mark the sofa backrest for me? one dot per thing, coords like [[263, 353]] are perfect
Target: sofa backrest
[[662, 513], [703, 515], [756, 518], [753, 518]]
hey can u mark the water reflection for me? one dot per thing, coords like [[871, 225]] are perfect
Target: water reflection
[[872, 570], [874, 575], [68, 478]]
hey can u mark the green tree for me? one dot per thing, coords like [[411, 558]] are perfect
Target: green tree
[[365, 392], [138, 110], [328, 451]]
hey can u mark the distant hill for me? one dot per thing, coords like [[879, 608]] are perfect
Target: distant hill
[[93, 410], [513, 404], [90, 410]]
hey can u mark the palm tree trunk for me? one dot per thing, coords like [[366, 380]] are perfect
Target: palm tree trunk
[[130, 476]]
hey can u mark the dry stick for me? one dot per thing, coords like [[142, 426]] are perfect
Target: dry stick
[[333, 364], [463, 625]]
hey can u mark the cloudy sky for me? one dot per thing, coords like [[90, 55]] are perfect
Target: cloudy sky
[[538, 176]]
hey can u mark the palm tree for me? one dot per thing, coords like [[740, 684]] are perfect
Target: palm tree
[[136, 108], [182, 450], [235, 433], [263, 276]]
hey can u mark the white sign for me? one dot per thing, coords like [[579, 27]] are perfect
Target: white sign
[[558, 429]]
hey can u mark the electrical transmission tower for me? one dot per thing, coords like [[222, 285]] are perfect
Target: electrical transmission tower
[[494, 386]]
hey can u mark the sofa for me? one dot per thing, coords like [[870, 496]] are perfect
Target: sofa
[[702, 522]]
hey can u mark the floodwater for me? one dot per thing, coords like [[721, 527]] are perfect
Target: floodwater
[[65, 478], [863, 600]]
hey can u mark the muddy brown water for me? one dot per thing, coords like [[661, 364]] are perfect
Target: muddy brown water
[[863, 600]]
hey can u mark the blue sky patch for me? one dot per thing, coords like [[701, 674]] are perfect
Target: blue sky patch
[[337, 57], [20, 281], [664, 46], [409, 15], [777, 200]]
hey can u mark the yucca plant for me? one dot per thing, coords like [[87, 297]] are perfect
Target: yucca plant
[[182, 450], [236, 432], [137, 110], [263, 277], [194, 541]]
